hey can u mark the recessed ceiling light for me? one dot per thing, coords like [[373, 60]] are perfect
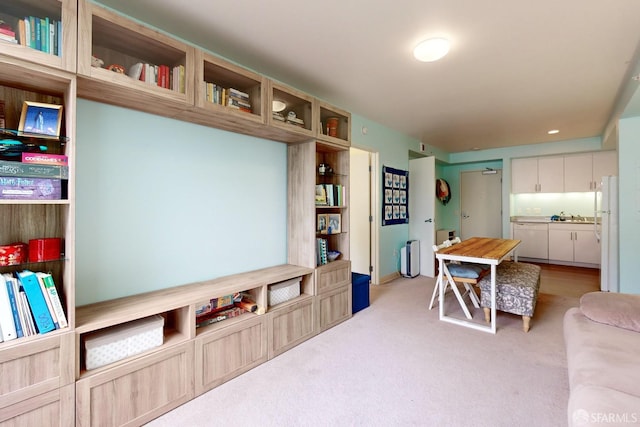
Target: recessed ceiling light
[[553, 131], [431, 49]]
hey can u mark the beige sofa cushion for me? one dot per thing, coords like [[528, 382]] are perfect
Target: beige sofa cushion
[[602, 355], [621, 310]]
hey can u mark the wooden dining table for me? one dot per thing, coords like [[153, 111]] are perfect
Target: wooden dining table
[[479, 250]]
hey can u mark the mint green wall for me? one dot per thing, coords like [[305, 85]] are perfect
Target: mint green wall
[[162, 202], [629, 203]]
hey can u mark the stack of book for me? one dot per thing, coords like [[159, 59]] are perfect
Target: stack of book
[[296, 121], [29, 305], [229, 97], [38, 176], [43, 34], [159, 75]]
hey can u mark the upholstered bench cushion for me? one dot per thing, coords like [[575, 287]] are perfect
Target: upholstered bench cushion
[[517, 285]]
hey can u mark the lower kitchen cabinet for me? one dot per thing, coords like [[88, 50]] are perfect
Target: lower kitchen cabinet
[[573, 243], [137, 391], [534, 238], [229, 352]]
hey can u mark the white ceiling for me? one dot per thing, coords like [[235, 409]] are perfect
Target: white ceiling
[[515, 70]]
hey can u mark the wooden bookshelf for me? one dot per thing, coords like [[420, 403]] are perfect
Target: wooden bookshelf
[[59, 10]]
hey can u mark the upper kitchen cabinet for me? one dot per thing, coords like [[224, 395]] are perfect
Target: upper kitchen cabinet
[[334, 124], [537, 175], [582, 172], [26, 21], [125, 63]]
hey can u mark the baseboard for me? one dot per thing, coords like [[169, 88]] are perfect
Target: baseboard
[[389, 278]]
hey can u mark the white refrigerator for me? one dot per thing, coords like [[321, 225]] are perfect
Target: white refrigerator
[[606, 214]]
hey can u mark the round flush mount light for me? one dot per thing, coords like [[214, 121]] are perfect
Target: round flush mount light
[[278, 106], [431, 49], [553, 131]]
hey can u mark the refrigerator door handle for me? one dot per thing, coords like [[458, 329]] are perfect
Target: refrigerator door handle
[[595, 215]]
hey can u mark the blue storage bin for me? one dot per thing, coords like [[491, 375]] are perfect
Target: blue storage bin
[[359, 292]]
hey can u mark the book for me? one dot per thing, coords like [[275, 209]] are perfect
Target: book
[[219, 316], [37, 304], [6, 317], [12, 290], [54, 298], [135, 71], [47, 300], [321, 251], [9, 278], [33, 170], [28, 325]]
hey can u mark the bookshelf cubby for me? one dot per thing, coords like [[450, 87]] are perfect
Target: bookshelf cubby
[[295, 102], [116, 40], [341, 133], [59, 10]]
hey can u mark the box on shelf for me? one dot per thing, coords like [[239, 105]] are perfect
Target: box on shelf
[[359, 292], [121, 341], [283, 291], [48, 249], [19, 188], [13, 254]]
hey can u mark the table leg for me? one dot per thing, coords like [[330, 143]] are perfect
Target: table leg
[[493, 298]]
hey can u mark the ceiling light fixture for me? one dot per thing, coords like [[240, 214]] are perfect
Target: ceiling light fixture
[[278, 106], [553, 131], [431, 49]]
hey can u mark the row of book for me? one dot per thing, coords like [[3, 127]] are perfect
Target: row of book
[[172, 78], [43, 34], [29, 305], [330, 194], [229, 97]]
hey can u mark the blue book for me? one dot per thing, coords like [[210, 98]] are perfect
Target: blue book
[[14, 308], [39, 309]]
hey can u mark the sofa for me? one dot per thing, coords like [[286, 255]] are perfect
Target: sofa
[[602, 340]]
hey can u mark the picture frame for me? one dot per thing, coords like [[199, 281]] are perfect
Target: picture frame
[[334, 223], [322, 223], [41, 119]]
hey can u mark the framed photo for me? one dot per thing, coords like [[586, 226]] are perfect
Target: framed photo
[[40, 118], [323, 223], [334, 223]]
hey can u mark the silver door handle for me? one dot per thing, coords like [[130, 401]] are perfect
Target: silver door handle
[[428, 220]]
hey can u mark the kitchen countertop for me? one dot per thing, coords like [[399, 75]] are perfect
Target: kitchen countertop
[[547, 219]]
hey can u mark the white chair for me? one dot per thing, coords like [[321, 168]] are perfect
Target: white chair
[[452, 280]]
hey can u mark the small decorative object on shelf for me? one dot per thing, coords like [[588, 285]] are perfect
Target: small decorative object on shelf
[[40, 118], [332, 126], [334, 223], [116, 68], [13, 254], [333, 255], [96, 62], [48, 249]]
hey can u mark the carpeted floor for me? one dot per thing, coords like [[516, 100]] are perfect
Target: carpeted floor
[[394, 364]]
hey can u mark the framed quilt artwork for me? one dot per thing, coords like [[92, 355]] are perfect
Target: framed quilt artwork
[[395, 196]]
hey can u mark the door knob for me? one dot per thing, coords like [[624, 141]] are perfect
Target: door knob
[[428, 220]]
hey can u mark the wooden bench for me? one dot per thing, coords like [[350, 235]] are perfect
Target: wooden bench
[[517, 286]]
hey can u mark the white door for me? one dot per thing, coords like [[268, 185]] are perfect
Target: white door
[[422, 196], [481, 204], [359, 211]]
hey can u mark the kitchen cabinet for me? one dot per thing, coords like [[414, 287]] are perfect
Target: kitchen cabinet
[[534, 238], [573, 243], [582, 172], [537, 175]]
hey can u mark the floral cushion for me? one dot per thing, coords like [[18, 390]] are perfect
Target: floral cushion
[[517, 285]]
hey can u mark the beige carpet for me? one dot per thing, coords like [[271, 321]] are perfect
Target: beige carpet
[[395, 363]]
